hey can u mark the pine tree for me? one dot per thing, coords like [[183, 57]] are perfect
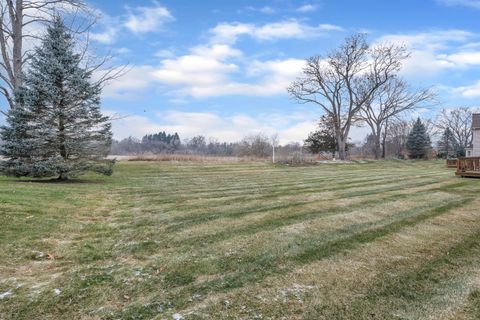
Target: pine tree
[[322, 140], [418, 141], [56, 128]]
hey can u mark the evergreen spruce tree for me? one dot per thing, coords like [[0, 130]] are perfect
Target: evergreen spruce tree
[[418, 141], [322, 140], [447, 145], [56, 128]]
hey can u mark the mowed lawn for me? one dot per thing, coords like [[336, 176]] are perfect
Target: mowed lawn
[[163, 240]]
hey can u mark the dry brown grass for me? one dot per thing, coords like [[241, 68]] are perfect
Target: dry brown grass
[[191, 158]]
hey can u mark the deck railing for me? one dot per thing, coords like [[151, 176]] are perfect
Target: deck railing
[[451, 163], [468, 167]]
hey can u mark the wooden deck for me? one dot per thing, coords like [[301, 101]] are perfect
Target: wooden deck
[[468, 167], [452, 163]]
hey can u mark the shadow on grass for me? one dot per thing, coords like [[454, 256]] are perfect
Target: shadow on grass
[[57, 181]]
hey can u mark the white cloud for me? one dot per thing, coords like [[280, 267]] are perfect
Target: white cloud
[[122, 51], [434, 52], [425, 63], [148, 19], [293, 127], [358, 134], [107, 29], [463, 59], [219, 69], [133, 125], [472, 91], [289, 29], [265, 9], [307, 8], [204, 66], [135, 80], [165, 53], [297, 132], [275, 75], [138, 20], [207, 71], [107, 36], [466, 3], [431, 40]]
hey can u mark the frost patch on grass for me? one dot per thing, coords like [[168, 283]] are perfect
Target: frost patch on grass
[[5, 294], [38, 255], [295, 228], [177, 316], [296, 292]]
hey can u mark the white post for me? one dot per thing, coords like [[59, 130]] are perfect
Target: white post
[[274, 139]]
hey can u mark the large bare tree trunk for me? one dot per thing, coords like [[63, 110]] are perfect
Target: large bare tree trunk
[[342, 148], [17, 45], [378, 147], [384, 145]]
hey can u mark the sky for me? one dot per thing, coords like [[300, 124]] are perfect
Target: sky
[[221, 68]]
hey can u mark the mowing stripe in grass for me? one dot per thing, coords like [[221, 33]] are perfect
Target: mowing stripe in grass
[[271, 194], [334, 286], [312, 254], [195, 220], [387, 187], [277, 194], [259, 267], [291, 218], [295, 217], [471, 308], [277, 221], [264, 178], [265, 183], [412, 289], [265, 267], [244, 193]]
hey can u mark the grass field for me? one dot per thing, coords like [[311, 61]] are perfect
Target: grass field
[[163, 240]]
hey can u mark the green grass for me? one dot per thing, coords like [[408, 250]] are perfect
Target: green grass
[[386, 240]]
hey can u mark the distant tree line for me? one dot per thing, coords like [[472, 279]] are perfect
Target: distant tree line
[[254, 145], [161, 142], [445, 136]]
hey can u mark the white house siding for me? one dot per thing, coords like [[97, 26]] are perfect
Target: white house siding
[[476, 143]]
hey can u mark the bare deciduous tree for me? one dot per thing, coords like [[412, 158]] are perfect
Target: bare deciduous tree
[[396, 136], [343, 81], [20, 21], [459, 121], [255, 145], [389, 101]]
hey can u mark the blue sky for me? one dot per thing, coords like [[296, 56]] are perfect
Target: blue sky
[[220, 68]]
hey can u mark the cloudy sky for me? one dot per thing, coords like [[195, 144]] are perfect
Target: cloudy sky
[[220, 68]]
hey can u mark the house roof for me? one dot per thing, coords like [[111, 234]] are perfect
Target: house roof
[[476, 121]]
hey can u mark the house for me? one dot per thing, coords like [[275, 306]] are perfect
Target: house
[[474, 151], [470, 165]]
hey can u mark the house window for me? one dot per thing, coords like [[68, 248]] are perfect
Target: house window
[[469, 153]]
